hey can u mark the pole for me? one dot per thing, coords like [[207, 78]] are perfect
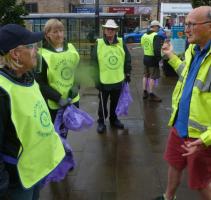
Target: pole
[[158, 9], [97, 18]]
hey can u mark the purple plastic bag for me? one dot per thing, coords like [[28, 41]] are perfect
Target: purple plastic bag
[[59, 124], [76, 119], [125, 100], [68, 162]]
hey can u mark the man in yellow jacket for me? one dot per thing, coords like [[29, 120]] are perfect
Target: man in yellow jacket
[[189, 142]]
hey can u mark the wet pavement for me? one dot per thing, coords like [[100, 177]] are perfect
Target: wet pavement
[[125, 164]]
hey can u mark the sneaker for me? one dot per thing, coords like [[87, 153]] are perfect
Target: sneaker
[[163, 197], [101, 128], [145, 94], [117, 124], [155, 98]]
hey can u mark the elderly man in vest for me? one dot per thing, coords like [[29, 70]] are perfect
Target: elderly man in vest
[[189, 142], [151, 43], [112, 62]]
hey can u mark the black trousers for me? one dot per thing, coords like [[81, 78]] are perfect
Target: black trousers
[[103, 100]]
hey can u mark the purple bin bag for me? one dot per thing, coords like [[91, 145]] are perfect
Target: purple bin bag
[[59, 124], [76, 119], [125, 100], [66, 165]]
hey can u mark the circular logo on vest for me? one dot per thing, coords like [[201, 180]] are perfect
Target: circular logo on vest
[[147, 44], [66, 73], [44, 119], [113, 60]]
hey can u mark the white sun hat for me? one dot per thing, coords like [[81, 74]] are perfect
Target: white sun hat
[[110, 23], [155, 23]]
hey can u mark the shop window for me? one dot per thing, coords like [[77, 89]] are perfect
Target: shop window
[[87, 1], [31, 7]]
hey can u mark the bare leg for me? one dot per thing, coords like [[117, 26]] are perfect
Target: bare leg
[[151, 85], [174, 178], [144, 83], [206, 192]]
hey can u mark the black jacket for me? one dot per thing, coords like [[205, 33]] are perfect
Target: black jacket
[[96, 75]]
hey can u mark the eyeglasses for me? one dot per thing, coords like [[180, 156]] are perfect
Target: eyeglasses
[[191, 25], [28, 46]]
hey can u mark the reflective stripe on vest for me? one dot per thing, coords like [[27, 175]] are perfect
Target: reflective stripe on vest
[[61, 71], [204, 87], [41, 149], [111, 60], [196, 125], [180, 69], [147, 43]]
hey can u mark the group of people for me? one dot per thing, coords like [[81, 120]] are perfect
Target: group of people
[[30, 148], [33, 90]]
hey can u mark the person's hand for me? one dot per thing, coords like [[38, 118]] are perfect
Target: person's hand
[[192, 147], [167, 49], [63, 102], [99, 87], [127, 78]]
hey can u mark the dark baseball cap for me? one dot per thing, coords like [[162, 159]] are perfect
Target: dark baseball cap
[[13, 35]]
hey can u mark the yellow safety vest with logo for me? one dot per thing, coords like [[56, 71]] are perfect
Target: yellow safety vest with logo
[[111, 59], [199, 124], [61, 71], [147, 43], [41, 149]]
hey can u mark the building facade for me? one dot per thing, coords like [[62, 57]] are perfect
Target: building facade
[[137, 12]]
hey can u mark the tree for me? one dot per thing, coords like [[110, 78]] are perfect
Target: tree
[[197, 3], [11, 12]]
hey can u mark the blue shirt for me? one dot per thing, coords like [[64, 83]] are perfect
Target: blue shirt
[[181, 122]]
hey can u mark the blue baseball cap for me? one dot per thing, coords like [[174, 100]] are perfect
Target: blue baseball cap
[[13, 35]]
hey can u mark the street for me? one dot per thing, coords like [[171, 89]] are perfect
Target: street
[[121, 165]]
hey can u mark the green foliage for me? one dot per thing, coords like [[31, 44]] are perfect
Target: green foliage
[[197, 3], [10, 12]]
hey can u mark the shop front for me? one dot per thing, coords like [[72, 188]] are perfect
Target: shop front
[[135, 16], [172, 14]]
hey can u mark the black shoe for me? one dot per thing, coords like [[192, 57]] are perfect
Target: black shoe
[[153, 97], [117, 124], [145, 94], [163, 197], [101, 128]]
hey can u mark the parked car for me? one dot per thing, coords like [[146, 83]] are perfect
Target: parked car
[[136, 35]]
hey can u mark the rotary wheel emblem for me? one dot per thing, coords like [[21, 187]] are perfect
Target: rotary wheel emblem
[[44, 119], [66, 73]]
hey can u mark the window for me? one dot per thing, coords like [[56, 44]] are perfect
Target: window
[[31, 7], [87, 1], [130, 1]]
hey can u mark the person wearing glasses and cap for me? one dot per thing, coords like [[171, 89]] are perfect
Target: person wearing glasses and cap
[[151, 43], [189, 142], [112, 62], [30, 148]]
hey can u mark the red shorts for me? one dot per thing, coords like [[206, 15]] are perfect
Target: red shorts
[[198, 165]]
